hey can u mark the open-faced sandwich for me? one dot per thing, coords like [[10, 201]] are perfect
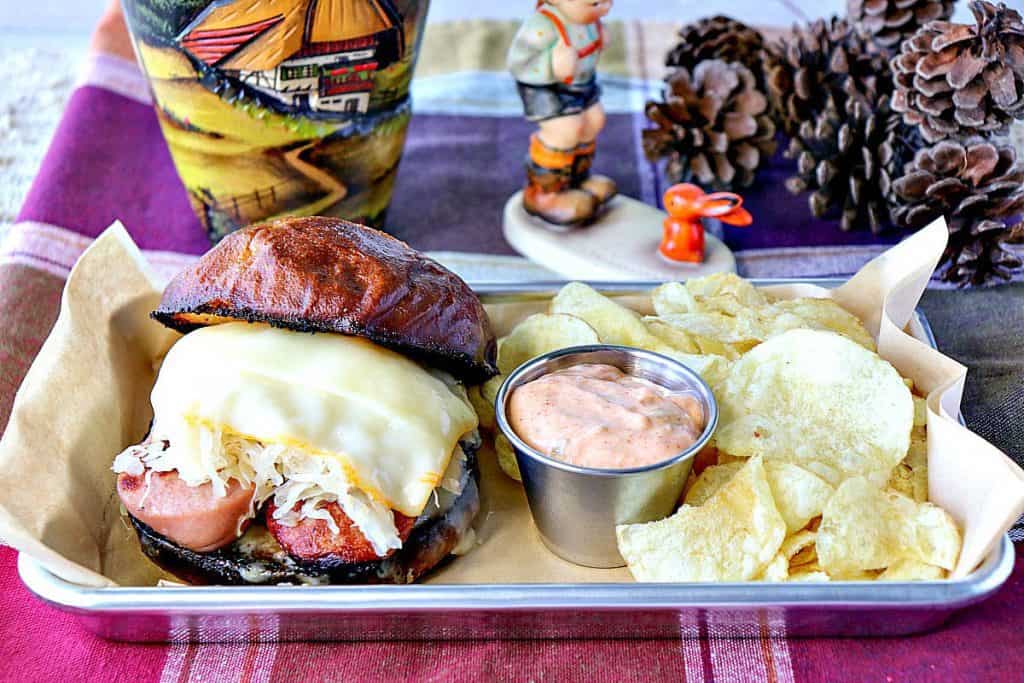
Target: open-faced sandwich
[[311, 425]]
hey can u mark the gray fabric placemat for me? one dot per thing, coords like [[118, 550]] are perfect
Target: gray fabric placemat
[[984, 330]]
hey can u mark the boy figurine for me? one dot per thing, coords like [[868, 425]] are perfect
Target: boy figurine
[[554, 59]]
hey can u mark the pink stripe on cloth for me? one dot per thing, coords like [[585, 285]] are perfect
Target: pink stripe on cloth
[[55, 250], [586, 661], [694, 647], [241, 663], [116, 74], [749, 658]]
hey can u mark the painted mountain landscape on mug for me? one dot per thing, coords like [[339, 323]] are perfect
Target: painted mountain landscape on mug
[[281, 106]]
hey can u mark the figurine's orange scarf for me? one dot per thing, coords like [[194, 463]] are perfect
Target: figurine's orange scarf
[[560, 27]]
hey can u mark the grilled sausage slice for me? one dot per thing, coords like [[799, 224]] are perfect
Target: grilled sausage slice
[[313, 539], [192, 516]]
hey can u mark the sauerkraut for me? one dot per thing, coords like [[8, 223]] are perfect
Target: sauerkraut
[[299, 482]]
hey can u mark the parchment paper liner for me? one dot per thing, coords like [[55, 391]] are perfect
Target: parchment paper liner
[[87, 396]]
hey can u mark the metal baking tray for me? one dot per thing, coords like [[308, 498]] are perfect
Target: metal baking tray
[[512, 611]]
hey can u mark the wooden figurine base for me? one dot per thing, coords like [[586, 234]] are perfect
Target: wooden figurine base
[[621, 245]]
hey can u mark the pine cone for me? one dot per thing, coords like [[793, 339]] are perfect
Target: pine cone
[[976, 185], [982, 256], [847, 159], [956, 80], [713, 126], [821, 65], [889, 22], [718, 37]]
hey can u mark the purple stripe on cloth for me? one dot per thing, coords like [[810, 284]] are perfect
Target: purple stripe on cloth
[[458, 171], [108, 161], [785, 220]]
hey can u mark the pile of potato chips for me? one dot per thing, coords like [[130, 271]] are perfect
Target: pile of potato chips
[[818, 469]]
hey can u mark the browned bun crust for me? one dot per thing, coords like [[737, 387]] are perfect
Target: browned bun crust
[[329, 275]]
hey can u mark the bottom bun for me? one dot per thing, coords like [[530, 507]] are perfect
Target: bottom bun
[[256, 558]]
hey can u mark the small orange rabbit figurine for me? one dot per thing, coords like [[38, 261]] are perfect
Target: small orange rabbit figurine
[[683, 237]]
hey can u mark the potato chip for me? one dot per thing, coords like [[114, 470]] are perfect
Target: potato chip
[[732, 537], [726, 304], [489, 389], [613, 323], [777, 570], [799, 495], [669, 335], [616, 324], [920, 412], [933, 535], [506, 457], [673, 297], [809, 574], [709, 481], [719, 293], [818, 400], [821, 314], [805, 556], [793, 546], [726, 458], [712, 369], [864, 528], [901, 480], [713, 347], [705, 458], [726, 285], [725, 329], [690, 479], [917, 459], [912, 570], [541, 333], [731, 330], [484, 408], [910, 477]]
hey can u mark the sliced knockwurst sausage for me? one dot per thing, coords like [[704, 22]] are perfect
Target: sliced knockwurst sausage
[[192, 516], [312, 539]]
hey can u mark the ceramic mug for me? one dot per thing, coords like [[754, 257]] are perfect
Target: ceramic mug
[[281, 107]]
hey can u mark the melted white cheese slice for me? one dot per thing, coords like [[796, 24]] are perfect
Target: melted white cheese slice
[[391, 424]]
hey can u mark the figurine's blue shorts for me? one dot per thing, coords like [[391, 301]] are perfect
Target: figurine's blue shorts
[[543, 102]]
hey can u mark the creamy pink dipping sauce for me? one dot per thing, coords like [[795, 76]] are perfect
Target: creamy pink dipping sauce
[[595, 415]]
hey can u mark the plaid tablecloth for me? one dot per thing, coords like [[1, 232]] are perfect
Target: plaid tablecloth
[[463, 158]]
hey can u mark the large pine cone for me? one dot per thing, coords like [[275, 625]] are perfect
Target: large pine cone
[[976, 185], [847, 160], [713, 126], [819, 67], [717, 37], [889, 22], [956, 80]]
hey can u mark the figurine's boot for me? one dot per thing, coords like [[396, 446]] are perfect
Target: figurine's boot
[[549, 193], [602, 187]]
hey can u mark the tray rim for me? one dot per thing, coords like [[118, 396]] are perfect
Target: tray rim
[[522, 597], [529, 597]]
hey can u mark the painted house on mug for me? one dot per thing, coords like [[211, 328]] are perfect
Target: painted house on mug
[[310, 54]]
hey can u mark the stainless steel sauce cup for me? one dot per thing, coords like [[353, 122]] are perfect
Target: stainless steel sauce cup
[[577, 508]]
